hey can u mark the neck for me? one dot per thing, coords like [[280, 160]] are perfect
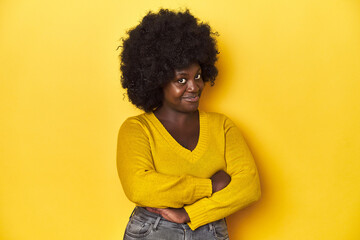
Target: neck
[[175, 116]]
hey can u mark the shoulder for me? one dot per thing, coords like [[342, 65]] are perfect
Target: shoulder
[[135, 124], [215, 117], [135, 120], [220, 121]]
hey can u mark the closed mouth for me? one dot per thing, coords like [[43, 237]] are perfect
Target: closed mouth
[[194, 98]]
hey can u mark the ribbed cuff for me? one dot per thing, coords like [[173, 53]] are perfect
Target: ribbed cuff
[[203, 188], [197, 216]]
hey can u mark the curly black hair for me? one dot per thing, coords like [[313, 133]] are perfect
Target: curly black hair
[[161, 43]]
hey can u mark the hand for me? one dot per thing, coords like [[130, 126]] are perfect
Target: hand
[[220, 180], [176, 215]]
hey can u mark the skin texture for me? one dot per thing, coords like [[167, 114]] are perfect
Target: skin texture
[[179, 115], [220, 180], [182, 94], [178, 112]]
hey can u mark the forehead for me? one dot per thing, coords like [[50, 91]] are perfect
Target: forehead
[[194, 67]]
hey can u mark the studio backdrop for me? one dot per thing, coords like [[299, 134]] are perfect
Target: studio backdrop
[[289, 77]]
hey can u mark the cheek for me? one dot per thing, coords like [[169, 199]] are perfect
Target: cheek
[[172, 91], [178, 92]]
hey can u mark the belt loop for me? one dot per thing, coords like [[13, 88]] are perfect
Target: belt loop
[[156, 223], [210, 227]]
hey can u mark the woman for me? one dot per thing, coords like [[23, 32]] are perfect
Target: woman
[[185, 169]]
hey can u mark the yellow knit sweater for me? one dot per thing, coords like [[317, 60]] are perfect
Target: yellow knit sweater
[[156, 171]]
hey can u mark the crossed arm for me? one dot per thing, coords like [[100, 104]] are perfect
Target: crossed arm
[[191, 198], [179, 215]]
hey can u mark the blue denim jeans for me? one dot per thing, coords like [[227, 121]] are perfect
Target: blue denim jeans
[[151, 226]]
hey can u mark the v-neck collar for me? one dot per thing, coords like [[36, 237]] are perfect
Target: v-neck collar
[[201, 145]]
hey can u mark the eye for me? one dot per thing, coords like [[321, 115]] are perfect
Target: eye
[[198, 76], [182, 80]]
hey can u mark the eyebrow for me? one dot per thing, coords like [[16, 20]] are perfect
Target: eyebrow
[[184, 73]]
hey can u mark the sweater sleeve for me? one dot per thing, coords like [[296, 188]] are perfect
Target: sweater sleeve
[[142, 184], [243, 189]]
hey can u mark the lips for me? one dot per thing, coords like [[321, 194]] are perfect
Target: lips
[[193, 99]]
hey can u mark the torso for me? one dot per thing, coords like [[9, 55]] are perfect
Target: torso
[[168, 153]]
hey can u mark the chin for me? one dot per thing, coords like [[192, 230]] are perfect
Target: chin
[[191, 109]]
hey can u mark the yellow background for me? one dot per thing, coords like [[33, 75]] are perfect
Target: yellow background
[[289, 77]]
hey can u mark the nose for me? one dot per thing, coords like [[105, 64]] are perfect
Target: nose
[[192, 86]]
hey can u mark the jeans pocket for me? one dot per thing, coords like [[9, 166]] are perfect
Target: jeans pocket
[[220, 230], [138, 229]]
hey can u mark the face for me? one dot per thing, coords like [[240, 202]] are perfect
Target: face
[[182, 93]]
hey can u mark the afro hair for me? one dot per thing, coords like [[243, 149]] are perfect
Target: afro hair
[[161, 43]]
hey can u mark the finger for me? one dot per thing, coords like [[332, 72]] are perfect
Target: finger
[[153, 210], [167, 217]]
